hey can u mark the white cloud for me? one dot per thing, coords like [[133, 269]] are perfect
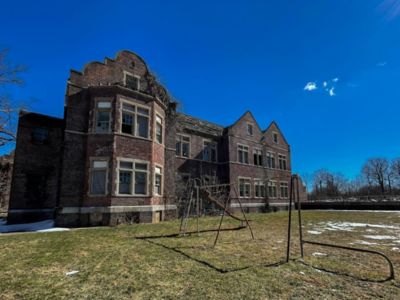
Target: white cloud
[[381, 64], [335, 79], [310, 86], [324, 84], [332, 92]]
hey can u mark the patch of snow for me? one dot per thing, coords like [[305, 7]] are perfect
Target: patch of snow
[[380, 237], [314, 232], [365, 243], [71, 273], [302, 273], [318, 254], [42, 226], [395, 249]]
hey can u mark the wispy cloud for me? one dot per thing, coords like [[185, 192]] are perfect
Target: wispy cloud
[[310, 86], [328, 86], [390, 9], [381, 64]]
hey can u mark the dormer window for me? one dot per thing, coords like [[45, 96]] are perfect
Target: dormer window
[[275, 136], [131, 81], [250, 129]]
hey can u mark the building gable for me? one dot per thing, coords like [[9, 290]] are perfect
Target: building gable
[[273, 136]]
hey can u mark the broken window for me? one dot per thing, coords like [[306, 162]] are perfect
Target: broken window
[[135, 120], [244, 187], [103, 117], [243, 154], [98, 178], [132, 178], [182, 146], [257, 155], [209, 151], [159, 129], [131, 81], [158, 181]]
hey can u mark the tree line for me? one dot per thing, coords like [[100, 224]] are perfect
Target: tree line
[[378, 176]]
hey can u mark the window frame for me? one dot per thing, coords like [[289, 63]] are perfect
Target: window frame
[[259, 183], [213, 145], [92, 168], [250, 126], [161, 182], [180, 137], [270, 157], [102, 109], [272, 184], [135, 114], [275, 137], [243, 151], [258, 156], [133, 176], [282, 162], [247, 182], [133, 75], [161, 123], [282, 185]]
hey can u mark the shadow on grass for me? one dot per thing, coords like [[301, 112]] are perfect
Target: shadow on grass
[[151, 240], [389, 278]]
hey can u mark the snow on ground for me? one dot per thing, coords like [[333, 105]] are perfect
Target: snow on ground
[[42, 226], [380, 237], [364, 243], [318, 254], [314, 232]]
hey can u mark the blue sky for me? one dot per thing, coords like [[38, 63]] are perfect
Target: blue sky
[[221, 58]]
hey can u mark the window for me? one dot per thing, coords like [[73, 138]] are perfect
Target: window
[[244, 187], [259, 188], [159, 129], [135, 120], [272, 189], [249, 129], [270, 160], [158, 181], [131, 81], [243, 154], [275, 137], [282, 162], [257, 155], [40, 135], [209, 151], [98, 177], [132, 177], [103, 117], [284, 189], [182, 145]]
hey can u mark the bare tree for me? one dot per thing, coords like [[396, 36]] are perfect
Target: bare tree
[[375, 171], [9, 75], [395, 169]]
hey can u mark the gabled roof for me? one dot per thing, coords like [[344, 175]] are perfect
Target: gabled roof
[[194, 124], [242, 116], [277, 127]]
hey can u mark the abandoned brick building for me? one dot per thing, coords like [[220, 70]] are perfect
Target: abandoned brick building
[[122, 149]]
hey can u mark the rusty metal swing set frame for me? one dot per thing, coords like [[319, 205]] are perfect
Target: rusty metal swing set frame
[[292, 201], [196, 188]]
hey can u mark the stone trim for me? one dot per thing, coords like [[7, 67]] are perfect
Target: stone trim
[[116, 209], [258, 204]]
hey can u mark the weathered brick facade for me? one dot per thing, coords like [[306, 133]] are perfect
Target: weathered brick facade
[[118, 155]]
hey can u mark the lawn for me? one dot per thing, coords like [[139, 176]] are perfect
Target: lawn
[[117, 262]]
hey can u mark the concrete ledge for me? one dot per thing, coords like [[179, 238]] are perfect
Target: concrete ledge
[[116, 209], [258, 204]]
